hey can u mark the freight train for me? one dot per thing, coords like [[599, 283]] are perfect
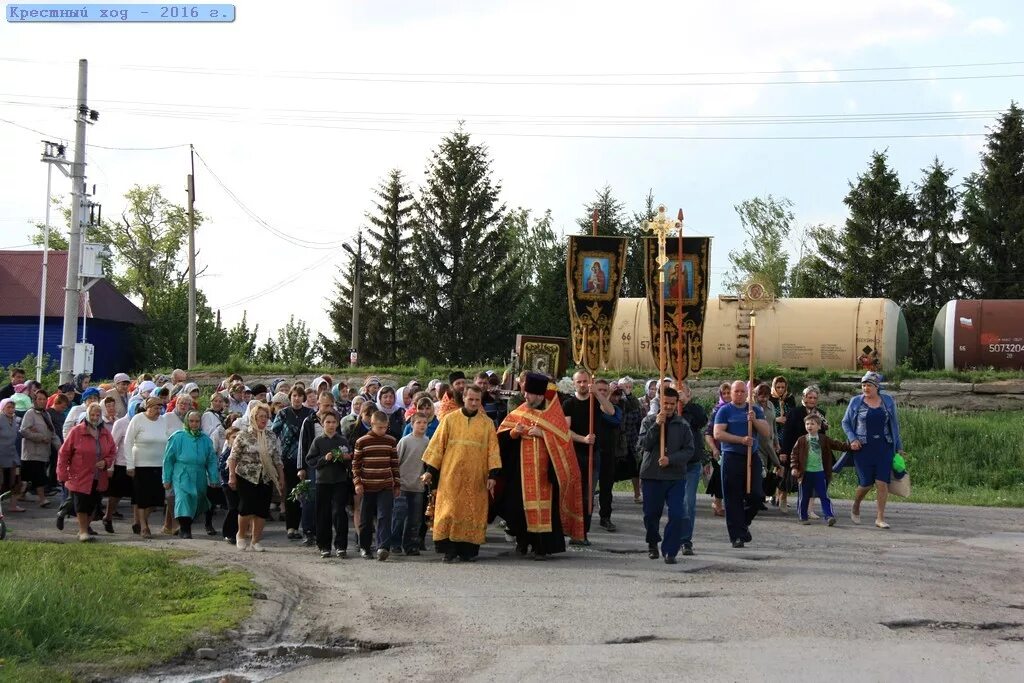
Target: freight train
[[833, 334], [977, 334]]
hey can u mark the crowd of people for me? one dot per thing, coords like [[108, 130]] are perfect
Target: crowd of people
[[448, 458]]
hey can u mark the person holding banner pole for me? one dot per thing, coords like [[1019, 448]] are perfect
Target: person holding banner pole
[[733, 423]]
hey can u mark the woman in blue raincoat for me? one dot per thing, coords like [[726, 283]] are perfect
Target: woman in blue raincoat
[[190, 465]]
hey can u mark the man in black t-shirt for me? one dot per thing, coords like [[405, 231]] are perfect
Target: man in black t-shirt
[[583, 432]]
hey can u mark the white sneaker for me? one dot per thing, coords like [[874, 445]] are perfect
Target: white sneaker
[[84, 538], [812, 515], [855, 518], [258, 548], [241, 543]]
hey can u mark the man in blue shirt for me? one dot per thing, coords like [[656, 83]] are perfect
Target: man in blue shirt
[[731, 432]]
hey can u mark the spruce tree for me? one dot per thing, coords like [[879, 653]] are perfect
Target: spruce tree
[[994, 211], [874, 255], [386, 282], [548, 311], [465, 289], [336, 348]]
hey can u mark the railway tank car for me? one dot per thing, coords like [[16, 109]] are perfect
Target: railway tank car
[[979, 334], [833, 334]]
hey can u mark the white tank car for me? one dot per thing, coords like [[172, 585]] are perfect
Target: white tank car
[[832, 334]]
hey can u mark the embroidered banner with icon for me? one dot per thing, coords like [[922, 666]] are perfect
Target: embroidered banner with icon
[[593, 272], [686, 298]]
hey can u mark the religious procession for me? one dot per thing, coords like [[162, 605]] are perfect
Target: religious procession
[[381, 467]]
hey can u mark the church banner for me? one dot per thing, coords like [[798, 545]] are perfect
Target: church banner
[[593, 272], [686, 297]]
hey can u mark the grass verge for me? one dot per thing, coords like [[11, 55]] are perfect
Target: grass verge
[[74, 611], [953, 458]]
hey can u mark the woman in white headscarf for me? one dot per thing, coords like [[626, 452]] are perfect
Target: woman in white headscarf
[[254, 470], [387, 403]]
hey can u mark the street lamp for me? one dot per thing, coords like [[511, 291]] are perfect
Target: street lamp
[[53, 155]]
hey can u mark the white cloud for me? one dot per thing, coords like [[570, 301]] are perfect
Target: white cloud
[[987, 26]]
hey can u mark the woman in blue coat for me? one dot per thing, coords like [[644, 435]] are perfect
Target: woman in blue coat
[[873, 429], [190, 466]]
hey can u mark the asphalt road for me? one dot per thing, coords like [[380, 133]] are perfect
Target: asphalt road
[[939, 597]]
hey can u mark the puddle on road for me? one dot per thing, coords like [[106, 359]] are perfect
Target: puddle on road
[[694, 594], [244, 665], [633, 640]]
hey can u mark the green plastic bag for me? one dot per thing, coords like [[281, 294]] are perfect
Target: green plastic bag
[[899, 465]]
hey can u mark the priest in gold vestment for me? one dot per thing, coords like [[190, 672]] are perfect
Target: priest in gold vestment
[[463, 460]]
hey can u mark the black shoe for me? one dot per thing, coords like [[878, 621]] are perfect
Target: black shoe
[[309, 542], [412, 553], [117, 515], [136, 529], [365, 554], [325, 554], [448, 559], [522, 550], [108, 526], [423, 545], [688, 549], [652, 551], [670, 559], [184, 534], [737, 543], [60, 521], [92, 532], [747, 538], [210, 531], [540, 557], [608, 525]]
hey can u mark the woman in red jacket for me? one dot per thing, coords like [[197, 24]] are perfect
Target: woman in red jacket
[[83, 463]]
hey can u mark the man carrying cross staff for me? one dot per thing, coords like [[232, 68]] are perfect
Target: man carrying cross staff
[[732, 431]]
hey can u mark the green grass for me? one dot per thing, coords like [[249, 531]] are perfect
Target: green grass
[[74, 611], [953, 458]]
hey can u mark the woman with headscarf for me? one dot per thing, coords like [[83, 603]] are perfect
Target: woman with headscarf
[[190, 466], [387, 403], [352, 417], [83, 464], [145, 443], [138, 401], [714, 487], [873, 429], [191, 389], [254, 469], [9, 460], [38, 439], [81, 382], [768, 448]]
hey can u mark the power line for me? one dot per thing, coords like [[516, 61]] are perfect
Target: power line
[[277, 285], [119, 149], [463, 74], [291, 239]]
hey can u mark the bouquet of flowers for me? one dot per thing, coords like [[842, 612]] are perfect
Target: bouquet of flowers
[[300, 492]]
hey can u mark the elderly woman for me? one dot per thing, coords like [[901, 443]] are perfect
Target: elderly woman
[[145, 443], [38, 437], [10, 463], [83, 464], [254, 469], [873, 429], [768, 448], [190, 466]]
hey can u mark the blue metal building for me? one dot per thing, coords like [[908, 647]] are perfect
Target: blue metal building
[[109, 315]]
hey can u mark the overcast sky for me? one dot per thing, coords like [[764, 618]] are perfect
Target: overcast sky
[[301, 108]]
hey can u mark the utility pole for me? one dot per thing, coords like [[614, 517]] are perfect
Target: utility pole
[[191, 189], [73, 285], [355, 299]]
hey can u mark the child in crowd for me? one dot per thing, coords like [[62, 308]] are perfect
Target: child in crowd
[[424, 406], [376, 478], [812, 461], [408, 512], [230, 528], [329, 455]]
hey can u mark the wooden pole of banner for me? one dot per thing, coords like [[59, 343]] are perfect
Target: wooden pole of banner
[[750, 403], [590, 449], [660, 227], [680, 360]]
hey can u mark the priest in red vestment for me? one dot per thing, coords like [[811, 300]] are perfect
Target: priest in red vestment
[[542, 498]]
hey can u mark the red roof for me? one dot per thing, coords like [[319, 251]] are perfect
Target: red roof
[[20, 274]]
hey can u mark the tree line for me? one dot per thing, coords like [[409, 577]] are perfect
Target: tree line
[[450, 272], [920, 244]]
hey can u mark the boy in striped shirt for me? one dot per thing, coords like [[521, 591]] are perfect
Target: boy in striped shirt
[[376, 478]]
